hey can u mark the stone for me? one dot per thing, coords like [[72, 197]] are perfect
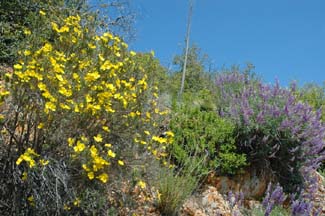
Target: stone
[[251, 183], [210, 202]]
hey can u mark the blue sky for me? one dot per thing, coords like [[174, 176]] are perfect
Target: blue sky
[[284, 39]]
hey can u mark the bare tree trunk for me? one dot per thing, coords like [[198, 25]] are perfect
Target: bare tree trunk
[[187, 40]]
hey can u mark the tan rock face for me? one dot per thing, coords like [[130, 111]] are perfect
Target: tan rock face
[[319, 201], [253, 185], [210, 202]]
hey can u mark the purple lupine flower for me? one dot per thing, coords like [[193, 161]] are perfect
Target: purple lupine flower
[[282, 122], [301, 208]]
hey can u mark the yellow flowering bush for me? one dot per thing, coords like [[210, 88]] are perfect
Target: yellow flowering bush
[[84, 99]]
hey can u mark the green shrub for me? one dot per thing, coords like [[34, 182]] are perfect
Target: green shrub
[[82, 100], [173, 189], [206, 138], [277, 211]]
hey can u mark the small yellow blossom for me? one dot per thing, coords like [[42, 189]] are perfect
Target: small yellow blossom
[[105, 128], [44, 162], [120, 162], [79, 147], [142, 184], [85, 167], [24, 176], [31, 200], [170, 133], [42, 13], [98, 138], [18, 67], [110, 153], [91, 46], [27, 31], [27, 52], [76, 202], [91, 175], [40, 125], [71, 141], [108, 145], [103, 177], [66, 207]]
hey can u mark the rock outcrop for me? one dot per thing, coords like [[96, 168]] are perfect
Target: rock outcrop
[[210, 202]]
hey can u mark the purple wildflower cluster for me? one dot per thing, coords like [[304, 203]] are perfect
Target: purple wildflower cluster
[[299, 206], [275, 130], [272, 198], [235, 199]]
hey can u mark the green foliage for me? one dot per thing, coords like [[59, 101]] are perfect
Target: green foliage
[[79, 99], [22, 23], [197, 78], [314, 95], [277, 211], [173, 189], [206, 138]]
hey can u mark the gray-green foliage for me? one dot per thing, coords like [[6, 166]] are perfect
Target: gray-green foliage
[[277, 211], [18, 17], [197, 77], [207, 139], [174, 188], [314, 95]]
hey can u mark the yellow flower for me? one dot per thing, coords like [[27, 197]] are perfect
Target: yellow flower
[[84, 139], [90, 77], [91, 175], [31, 151], [159, 139], [108, 145], [98, 138], [103, 177], [40, 125], [44, 162], [42, 13], [133, 53], [105, 128], [41, 86], [142, 184], [93, 151], [79, 147], [24, 176], [71, 141], [27, 31], [91, 46], [47, 47], [170, 133], [76, 202], [65, 92], [121, 163], [64, 106], [59, 77], [110, 153], [27, 52], [147, 132], [66, 207], [85, 167], [31, 200], [49, 106], [132, 114], [18, 67]]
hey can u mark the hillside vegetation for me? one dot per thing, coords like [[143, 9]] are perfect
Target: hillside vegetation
[[90, 127]]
